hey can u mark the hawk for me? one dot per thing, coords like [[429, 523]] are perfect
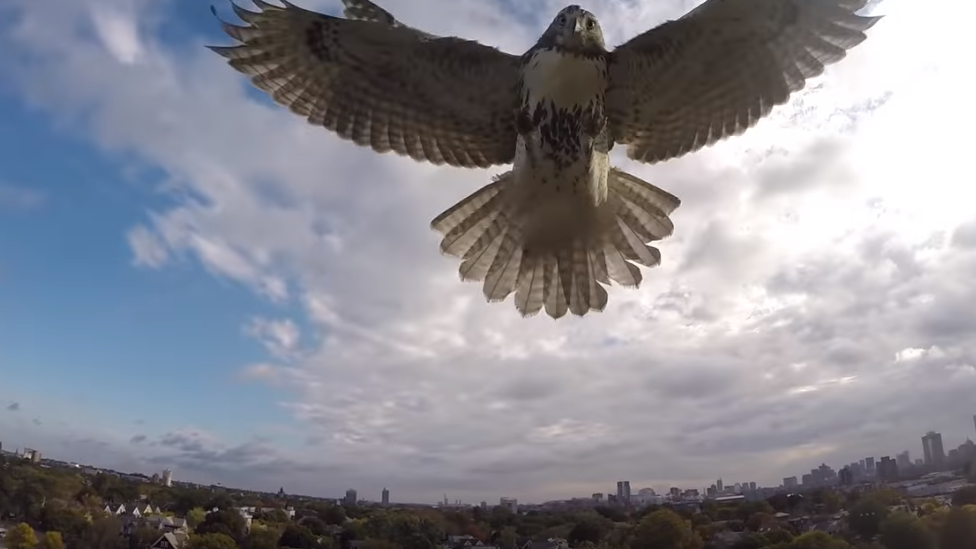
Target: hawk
[[562, 223]]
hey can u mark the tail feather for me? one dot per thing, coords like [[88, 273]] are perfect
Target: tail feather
[[486, 234]]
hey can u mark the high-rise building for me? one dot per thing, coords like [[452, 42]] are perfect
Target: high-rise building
[[597, 497], [869, 466], [386, 496], [167, 477], [790, 482], [903, 459], [623, 491], [719, 486], [752, 485], [510, 503], [846, 476], [974, 420], [887, 470], [933, 450], [352, 498]]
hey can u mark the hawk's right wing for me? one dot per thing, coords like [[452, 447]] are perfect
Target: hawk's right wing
[[383, 85], [716, 71]]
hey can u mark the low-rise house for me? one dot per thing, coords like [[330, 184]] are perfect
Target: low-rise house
[[171, 540]]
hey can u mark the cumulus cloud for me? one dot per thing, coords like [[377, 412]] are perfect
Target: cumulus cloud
[[13, 407], [811, 306]]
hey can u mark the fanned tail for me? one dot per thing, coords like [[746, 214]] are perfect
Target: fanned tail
[[485, 231]]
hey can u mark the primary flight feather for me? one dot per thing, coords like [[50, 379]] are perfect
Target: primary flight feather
[[562, 223]]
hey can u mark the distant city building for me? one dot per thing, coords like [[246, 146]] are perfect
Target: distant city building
[[386, 496], [510, 503], [903, 460], [32, 455], [623, 491], [167, 477], [351, 497], [752, 485], [846, 476], [869, 468], [719, 486], [790, 482], [597, 497], [888, 470], [932, 449]]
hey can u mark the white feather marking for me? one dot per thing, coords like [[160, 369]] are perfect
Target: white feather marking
[[566, 80]]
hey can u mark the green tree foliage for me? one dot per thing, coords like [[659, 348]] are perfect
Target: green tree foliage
[[866, 516], [964, 496], [261, 538], [21, 536], [959, 530], [214, 540], [665, 529], [195, 516], [142, 537], [589, 527], [905, 531], [227, 522], [818, 540], [297, 537], [52, 540]]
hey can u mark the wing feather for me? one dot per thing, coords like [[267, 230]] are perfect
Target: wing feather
[[382, 84], [718, 70]]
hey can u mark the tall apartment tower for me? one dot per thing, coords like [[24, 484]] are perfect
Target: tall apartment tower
[[623, 491], [386, 496], [932, 448]]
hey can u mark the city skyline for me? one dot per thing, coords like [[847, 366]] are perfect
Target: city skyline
[[623, 488], [195, 279]]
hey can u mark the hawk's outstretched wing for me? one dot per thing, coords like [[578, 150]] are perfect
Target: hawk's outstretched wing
[[716, 71], [386, 86], [364, 10]]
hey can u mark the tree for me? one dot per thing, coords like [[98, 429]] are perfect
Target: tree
[[21, 536], [333, 514], [818, 540], [103, 533], [297, 537], [223, 521], [195, 516], [866, 516], [964, 496], [315, 525], [589, 527], [905, 531], [261, 538], [143, 536], [665, 529], [959, 530], [211, 541], [52, 540]]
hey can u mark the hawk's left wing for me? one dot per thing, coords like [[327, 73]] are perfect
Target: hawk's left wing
[[716, 71], [382, 85]]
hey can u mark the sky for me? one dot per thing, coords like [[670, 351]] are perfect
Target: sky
[[193, 278]]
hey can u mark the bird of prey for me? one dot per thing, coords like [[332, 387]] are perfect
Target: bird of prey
[[562, 223]]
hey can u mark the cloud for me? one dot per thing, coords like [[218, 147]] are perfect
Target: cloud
[[13, 197], [13, 407], [138, 439], [811, 304]]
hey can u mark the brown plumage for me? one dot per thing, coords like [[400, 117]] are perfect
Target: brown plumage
[[562, 223]]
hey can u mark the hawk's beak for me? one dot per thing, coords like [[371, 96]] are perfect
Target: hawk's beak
[[579, 25]]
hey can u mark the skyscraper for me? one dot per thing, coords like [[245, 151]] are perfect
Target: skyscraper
[[932, 448], [386, 496], [351, 497], [623, 491]]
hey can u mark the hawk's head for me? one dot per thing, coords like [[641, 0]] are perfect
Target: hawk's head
[[575, 29]]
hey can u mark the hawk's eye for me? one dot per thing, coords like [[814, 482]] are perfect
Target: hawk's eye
[[590, 23], [562, 20]]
